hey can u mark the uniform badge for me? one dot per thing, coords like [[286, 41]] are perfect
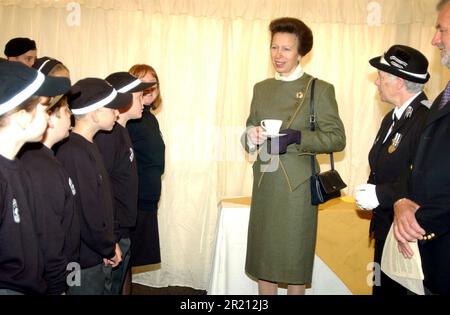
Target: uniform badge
[[131, 155], [72, 187], [15, 211], [409, 112], [395, 142], [300, 95]]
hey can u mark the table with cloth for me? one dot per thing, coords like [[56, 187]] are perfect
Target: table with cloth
[[344, 252]]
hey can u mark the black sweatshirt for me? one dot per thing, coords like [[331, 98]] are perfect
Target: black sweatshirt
[[21, 260], [120, 162], [57, 221], [149, 148], [84, 164]]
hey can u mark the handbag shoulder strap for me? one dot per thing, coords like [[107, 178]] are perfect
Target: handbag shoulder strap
[[312, 123], [299, 104], [312, 116]]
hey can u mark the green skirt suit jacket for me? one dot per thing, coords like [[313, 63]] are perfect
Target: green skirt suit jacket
[[283, 223]]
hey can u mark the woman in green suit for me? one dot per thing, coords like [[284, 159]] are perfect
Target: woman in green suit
[[283, 223]]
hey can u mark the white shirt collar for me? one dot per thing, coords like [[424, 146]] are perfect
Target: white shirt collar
[[398, 112], [297, 74]]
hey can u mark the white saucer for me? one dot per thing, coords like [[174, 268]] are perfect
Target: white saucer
[[275, 136]]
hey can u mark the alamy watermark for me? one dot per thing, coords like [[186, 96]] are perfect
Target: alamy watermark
[[73, 279], [374, 277], [73, 19], [218, 144], [374, 14]]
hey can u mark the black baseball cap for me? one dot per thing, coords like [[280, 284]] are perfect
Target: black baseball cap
[[125, 82], [45, 64], [19, 83], [404, 62], [18, 46], [90, 94]]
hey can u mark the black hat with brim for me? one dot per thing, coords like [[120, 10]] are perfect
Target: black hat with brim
[[20, 82], [404, 62], [125, 82], [90, 94]]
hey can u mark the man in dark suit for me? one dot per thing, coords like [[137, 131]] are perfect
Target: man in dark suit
[[424, 212], [402, 73]]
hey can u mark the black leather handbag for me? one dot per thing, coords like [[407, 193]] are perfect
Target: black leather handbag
[[326, 185]]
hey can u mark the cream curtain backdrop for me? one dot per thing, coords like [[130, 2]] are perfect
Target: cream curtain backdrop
[[209, 54]]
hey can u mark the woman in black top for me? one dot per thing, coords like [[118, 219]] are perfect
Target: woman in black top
[[149, 149]]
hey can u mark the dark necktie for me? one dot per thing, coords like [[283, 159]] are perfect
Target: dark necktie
[[390, 128], [445, 96]]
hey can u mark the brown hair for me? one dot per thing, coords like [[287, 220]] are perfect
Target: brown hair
[[57, 68], [139, 71], [296, 27], [54, 110], [442, 4], [29, 105]]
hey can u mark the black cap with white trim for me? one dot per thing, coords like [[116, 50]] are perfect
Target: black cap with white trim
[[404, 62], [124, 82], [19, 83], [45, 64], [90, 94]]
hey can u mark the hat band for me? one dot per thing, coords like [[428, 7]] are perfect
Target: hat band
[[43, 65], [23, 95], [96, 105], [130, 86], [416, 75]]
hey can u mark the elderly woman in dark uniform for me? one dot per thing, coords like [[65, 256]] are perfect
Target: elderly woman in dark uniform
[[283, 223], [402, 73]]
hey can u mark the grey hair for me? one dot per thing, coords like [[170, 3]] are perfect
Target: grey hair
[[411, 87], [442, 4], [414, 87]]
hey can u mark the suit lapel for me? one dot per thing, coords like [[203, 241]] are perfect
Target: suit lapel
[[378, 144], [435, 112], [385, 126]]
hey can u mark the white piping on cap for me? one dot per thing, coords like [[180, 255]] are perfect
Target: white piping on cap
[[23, 95], [96, 105], [130, 86]]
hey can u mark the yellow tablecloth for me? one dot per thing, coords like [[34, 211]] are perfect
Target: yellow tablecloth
[[342, 242]]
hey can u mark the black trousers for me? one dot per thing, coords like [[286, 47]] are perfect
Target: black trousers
[[386, 286]]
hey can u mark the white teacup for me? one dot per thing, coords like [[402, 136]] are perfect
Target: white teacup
[[271, 126]]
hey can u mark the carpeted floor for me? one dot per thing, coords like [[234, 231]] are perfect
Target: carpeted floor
[[144, 290]]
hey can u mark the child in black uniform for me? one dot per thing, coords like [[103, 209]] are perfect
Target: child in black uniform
[[23, 119], [94, 104], [57, 220], [120, 163]]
